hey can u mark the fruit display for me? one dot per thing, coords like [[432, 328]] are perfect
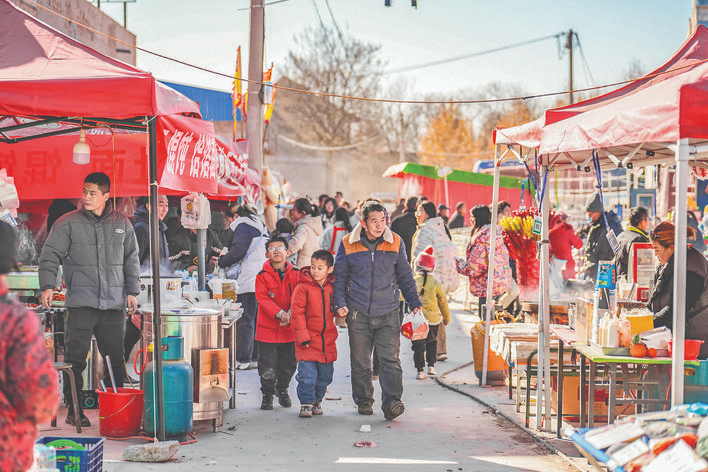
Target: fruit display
[[520, 241], [638, 348]]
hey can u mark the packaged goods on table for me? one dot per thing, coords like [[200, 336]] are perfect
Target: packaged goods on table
[[649, 442]]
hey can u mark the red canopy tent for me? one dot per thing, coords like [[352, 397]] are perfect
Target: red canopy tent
[[52, 85], [658, 118], [644, 122]]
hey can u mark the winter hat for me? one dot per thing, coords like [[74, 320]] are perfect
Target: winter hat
[[594, 203], [425, 260], [8, 248]]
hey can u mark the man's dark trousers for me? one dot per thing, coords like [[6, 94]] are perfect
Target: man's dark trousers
[[109, 328]]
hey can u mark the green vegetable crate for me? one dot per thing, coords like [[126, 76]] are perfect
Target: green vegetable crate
[[76, 454]]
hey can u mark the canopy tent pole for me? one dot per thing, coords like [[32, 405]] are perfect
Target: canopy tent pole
[[492, 256], [680, 224], [201, 258], [155, 262], [544, 307]]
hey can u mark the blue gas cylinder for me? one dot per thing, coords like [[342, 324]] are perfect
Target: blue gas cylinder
[[177, 388]]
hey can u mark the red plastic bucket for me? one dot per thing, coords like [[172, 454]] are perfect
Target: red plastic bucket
[[120, 414]]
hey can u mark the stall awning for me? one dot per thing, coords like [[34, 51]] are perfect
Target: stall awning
[[52, 85], [46, 73]]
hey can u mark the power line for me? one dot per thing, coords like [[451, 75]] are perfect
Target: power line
[[329, 148], [467, 56], [585, 61], [331, 15], [379, 100]]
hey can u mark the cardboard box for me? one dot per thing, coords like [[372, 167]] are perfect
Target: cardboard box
[[571, 398]]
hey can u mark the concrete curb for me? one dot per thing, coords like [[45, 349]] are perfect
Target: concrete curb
[[497, 411]]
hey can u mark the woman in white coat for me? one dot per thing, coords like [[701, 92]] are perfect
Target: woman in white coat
[[247, 250], [306, 238], [433, 232]]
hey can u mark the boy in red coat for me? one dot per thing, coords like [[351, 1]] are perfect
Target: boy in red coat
[[315, 332], [275, 285]]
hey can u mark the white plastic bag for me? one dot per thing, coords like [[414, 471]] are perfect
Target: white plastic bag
[[8, 193], [414, 326], [196, 211]]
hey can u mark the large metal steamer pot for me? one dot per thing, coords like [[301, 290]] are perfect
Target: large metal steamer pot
[[201, 329]]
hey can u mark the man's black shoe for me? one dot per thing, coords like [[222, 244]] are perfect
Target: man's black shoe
[[70, 419], [267, 402], [365, 409], [394, 410], [284, 399]]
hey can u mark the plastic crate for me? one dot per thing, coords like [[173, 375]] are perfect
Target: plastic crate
[[70, 460]]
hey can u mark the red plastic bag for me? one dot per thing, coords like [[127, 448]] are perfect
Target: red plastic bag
[[414, 326]]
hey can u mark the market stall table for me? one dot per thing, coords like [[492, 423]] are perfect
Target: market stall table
[[565, 335], [595, 356]]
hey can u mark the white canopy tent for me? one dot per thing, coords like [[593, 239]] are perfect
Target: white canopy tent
[[659, 118]]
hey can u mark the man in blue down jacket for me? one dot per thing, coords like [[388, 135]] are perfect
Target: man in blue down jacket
[[370, 266], [99, 253]]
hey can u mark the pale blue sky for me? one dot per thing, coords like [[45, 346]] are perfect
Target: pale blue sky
[[613, 33]]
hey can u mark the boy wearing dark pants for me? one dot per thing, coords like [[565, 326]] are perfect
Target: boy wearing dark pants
[[275, 285], [315, 332]]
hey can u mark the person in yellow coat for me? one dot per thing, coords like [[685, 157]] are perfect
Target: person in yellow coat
[[435, 310]]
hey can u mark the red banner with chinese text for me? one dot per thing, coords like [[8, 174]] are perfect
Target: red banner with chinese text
[[191, 154], [43, 168]]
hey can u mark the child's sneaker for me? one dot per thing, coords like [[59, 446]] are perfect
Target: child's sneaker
[[420, 375], [431, 371], [306, 411], [317, 409]]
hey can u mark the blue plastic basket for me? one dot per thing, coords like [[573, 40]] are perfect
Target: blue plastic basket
[[71, 460]]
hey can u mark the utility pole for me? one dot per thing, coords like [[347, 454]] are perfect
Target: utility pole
[[254, 112], [569, 46]]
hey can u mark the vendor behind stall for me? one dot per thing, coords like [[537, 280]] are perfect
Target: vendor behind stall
[[636, 232], [183, 249], [661, 301], [97, 249]]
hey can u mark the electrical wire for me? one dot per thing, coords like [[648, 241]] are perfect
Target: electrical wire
[[368, 99], [324, 28], [585, 61], [325, 148], [467, 56], [334, 22]]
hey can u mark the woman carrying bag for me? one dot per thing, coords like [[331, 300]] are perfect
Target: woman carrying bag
[[242, 263]]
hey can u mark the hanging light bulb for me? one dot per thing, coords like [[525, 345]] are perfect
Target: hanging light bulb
[[82, 151]]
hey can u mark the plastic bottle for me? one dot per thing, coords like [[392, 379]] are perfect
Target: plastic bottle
[[595, 334], [603, 329], [612, 337]]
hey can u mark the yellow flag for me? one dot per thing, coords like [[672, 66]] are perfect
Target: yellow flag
[[236, 96]]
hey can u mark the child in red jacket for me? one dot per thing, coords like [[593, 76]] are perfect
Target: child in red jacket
[[275, 285], [315, 332]]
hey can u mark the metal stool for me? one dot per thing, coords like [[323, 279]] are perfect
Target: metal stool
[[66, 367]]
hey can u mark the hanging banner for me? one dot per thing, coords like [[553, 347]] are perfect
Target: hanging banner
[[43, 168], [191, 154], [231, 168]]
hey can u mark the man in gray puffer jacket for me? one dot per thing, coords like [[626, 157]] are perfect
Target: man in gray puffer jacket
[[99, 253]]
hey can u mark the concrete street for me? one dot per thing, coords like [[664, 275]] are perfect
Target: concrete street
[[441, 430]]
